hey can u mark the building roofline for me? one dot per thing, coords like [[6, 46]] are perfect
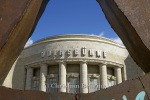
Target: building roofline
[[56, 38]]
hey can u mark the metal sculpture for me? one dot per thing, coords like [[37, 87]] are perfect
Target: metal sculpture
[[129, 18]]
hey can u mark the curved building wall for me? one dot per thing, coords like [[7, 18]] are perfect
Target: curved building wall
[[76, 59]]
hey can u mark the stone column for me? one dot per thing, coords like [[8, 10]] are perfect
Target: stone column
[[103, 75], [62, 76], [83, 77], [118, 75], [43, 74], [124, 74], [29, 77]]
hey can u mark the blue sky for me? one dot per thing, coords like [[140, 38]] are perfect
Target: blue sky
[[73, 17]]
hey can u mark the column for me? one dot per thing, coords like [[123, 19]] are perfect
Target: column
[[118, 75], [29, 77], [124, 74], [62, 76], [43, 74], [103, 75], [83, 78]]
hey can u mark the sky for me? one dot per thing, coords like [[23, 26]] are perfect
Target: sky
[[73, 17]]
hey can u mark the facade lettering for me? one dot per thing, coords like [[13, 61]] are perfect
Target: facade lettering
[[48, 53], [68, 52], [104, 54], [98, 53], [76, 52], [92, 52], [83, 51], [60, 52], [42, 54]]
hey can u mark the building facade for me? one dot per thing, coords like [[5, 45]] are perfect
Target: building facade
[[73, 64]]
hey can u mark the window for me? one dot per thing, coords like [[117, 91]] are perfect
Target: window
[[35, 84], [36, 72], [73, 78], [111, 82], [110, 71], [93, 69], [73, 85], [51, 85], [52, 78], [111, 76], [35, 79], [93, 84]]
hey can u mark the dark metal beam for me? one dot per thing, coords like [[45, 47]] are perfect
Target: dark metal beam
[[130, 19], [18, 19]]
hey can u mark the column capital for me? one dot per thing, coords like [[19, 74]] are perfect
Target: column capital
[[28, 67], [121, 66], [43, 64], [103, 63], [117, 67], [81, 62], [62, 62]]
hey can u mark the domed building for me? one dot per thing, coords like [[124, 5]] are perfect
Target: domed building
[[73, 63]]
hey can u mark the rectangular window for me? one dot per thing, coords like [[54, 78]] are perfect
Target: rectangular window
[[111, 82], [35, 79], [73, 85], [51, 85], [94, 84], [73, 78], [36, 72], [73, 68], [110, 71], [93, 69], [35, 83], [52, 78], [53, 69]]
